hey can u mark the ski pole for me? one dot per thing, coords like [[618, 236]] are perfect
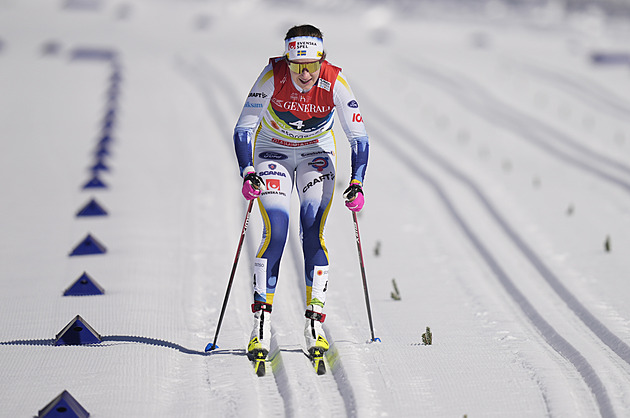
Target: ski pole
[[365, 287], [213, 345]]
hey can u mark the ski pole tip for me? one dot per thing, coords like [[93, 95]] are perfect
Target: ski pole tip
[[210, 347], [376, 340]]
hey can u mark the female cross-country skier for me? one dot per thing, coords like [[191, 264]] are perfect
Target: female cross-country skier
[[284, 139]]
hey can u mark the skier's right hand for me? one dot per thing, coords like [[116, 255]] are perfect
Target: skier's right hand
[[252, 184]]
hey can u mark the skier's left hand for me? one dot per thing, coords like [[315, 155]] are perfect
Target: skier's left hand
[[354, 197]]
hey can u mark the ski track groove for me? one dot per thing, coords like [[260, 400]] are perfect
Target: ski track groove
[[551, 336], [481, 102], [559, 344], [600, 330], [197, 75], [342, 386], [295, 379], [599, 97]]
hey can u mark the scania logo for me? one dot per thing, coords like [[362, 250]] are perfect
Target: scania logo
[[272, 173]]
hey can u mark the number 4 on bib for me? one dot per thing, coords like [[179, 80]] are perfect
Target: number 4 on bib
[[299, 124]]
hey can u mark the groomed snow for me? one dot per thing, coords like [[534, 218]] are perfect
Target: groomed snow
[[499, 171]]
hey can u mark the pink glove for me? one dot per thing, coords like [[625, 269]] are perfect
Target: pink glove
[[354, 197], [357, 204], [249, 192], [252, 185]]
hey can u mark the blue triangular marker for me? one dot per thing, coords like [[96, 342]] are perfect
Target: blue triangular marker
[[105, 139], [116, 77], [110, 115], [102, 151], [92, 208], [89, 246], [108, 124], [211, 347], [84, 286], [95, 183], [77, 332], [99, 166], [63, 405]]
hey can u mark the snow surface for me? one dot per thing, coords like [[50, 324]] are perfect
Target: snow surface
[[499, 167]]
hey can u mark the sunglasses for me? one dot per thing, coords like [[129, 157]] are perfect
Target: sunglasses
[[311, 67]]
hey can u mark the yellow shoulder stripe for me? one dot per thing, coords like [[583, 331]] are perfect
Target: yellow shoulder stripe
[[343, 81], [266, 77]]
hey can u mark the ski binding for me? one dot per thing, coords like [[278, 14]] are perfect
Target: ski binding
[[317, 358], [258, 357]]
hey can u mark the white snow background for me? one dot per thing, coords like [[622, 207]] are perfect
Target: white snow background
[[499, 169]]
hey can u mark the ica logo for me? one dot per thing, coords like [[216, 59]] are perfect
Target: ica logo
[[273, 184]]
